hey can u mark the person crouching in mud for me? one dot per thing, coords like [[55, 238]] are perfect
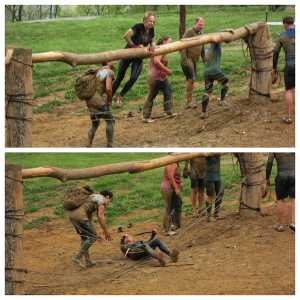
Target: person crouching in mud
[[139, 249]]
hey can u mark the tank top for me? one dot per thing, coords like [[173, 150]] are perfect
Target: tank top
[[166, 184], [156, 72]]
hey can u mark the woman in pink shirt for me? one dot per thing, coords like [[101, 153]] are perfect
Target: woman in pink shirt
[[157, 81], [173, 203]]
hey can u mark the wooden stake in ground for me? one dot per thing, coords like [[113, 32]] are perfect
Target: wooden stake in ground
[[253, 187], [14, 214], [19, 98]]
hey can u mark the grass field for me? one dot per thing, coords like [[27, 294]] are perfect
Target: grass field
[[105, 33], [139, 191]]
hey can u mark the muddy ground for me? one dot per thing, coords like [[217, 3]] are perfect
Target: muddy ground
[[241, 124], [234, 256]]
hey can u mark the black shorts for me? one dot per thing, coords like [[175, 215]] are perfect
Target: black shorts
[[188, 72], [103, 112], [284, 187], [197, 183], [289, 77], [213, 187], [209, 80]]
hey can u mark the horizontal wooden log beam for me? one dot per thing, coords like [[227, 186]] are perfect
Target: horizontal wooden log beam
[[130, 167], [97, 58]]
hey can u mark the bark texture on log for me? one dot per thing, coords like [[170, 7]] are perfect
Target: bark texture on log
[[130, 167], [253, 186], [13, 230], [19, 98], [97, 58]]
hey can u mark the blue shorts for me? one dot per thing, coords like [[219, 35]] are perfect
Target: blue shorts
[[284, 187], [197, 183], [213, 187]]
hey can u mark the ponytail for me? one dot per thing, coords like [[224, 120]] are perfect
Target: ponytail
[[162, 39]]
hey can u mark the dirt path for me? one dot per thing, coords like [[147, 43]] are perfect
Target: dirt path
[[230, 257], [241, 124]]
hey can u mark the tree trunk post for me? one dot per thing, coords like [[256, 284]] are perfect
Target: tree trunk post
[[19, 98], [261, 51], [13, 230], [182, 20], [253, 186]]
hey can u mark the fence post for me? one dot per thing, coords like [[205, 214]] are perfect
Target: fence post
[[261, 51], [14, 214], [19, 98]]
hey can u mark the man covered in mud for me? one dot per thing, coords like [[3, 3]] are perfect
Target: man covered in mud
[[139, 250], [284, 184], [286, 40], [196, 173], [214, 186], [190, 58], [82, 219], [99, 106], [212, 72]]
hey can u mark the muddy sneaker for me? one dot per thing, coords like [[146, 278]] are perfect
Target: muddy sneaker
[[287, 120], [292, 226], [202, 212], [174, 227], [223, 103], [160, 258], [78, 263], [90, 263], [203, 115], [119, 101], [195, 214], [170, 116], [147, 120], [218, 217], [169, 233], [278, 227], [211, 219], [191, 104], [174, 255]]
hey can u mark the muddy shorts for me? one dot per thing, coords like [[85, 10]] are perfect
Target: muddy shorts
[[209, 80], [284, 186], [213, 187], [289, 77], [188, 71], [197, 183]]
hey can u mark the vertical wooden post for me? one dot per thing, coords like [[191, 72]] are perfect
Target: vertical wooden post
[[13, 230], [19, 99], [253, 187], [261, 51], [182, 20]]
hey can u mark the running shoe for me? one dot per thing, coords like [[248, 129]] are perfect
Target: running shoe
[[292, 226], [278, 228], [160, 258], [174, 255], [223, 103], [147, 120], [287, 120], [119, 101], [203, 115]]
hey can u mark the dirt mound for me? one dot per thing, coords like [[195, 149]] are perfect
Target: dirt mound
[[234, 256], [241, 124]]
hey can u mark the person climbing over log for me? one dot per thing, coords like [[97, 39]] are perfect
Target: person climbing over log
[[189, 60], [139, 36], [286, 40], [212, 72], [157, 81], [82, 219], [284, 184], [142, 249], [99, 106]]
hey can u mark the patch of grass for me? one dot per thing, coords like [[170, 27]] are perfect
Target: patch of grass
[[47, 106], [36, 222]]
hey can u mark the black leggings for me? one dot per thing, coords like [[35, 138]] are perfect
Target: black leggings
[[154, 86], [136, 68]]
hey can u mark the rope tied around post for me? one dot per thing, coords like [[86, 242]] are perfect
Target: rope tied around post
[[252, 208]]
